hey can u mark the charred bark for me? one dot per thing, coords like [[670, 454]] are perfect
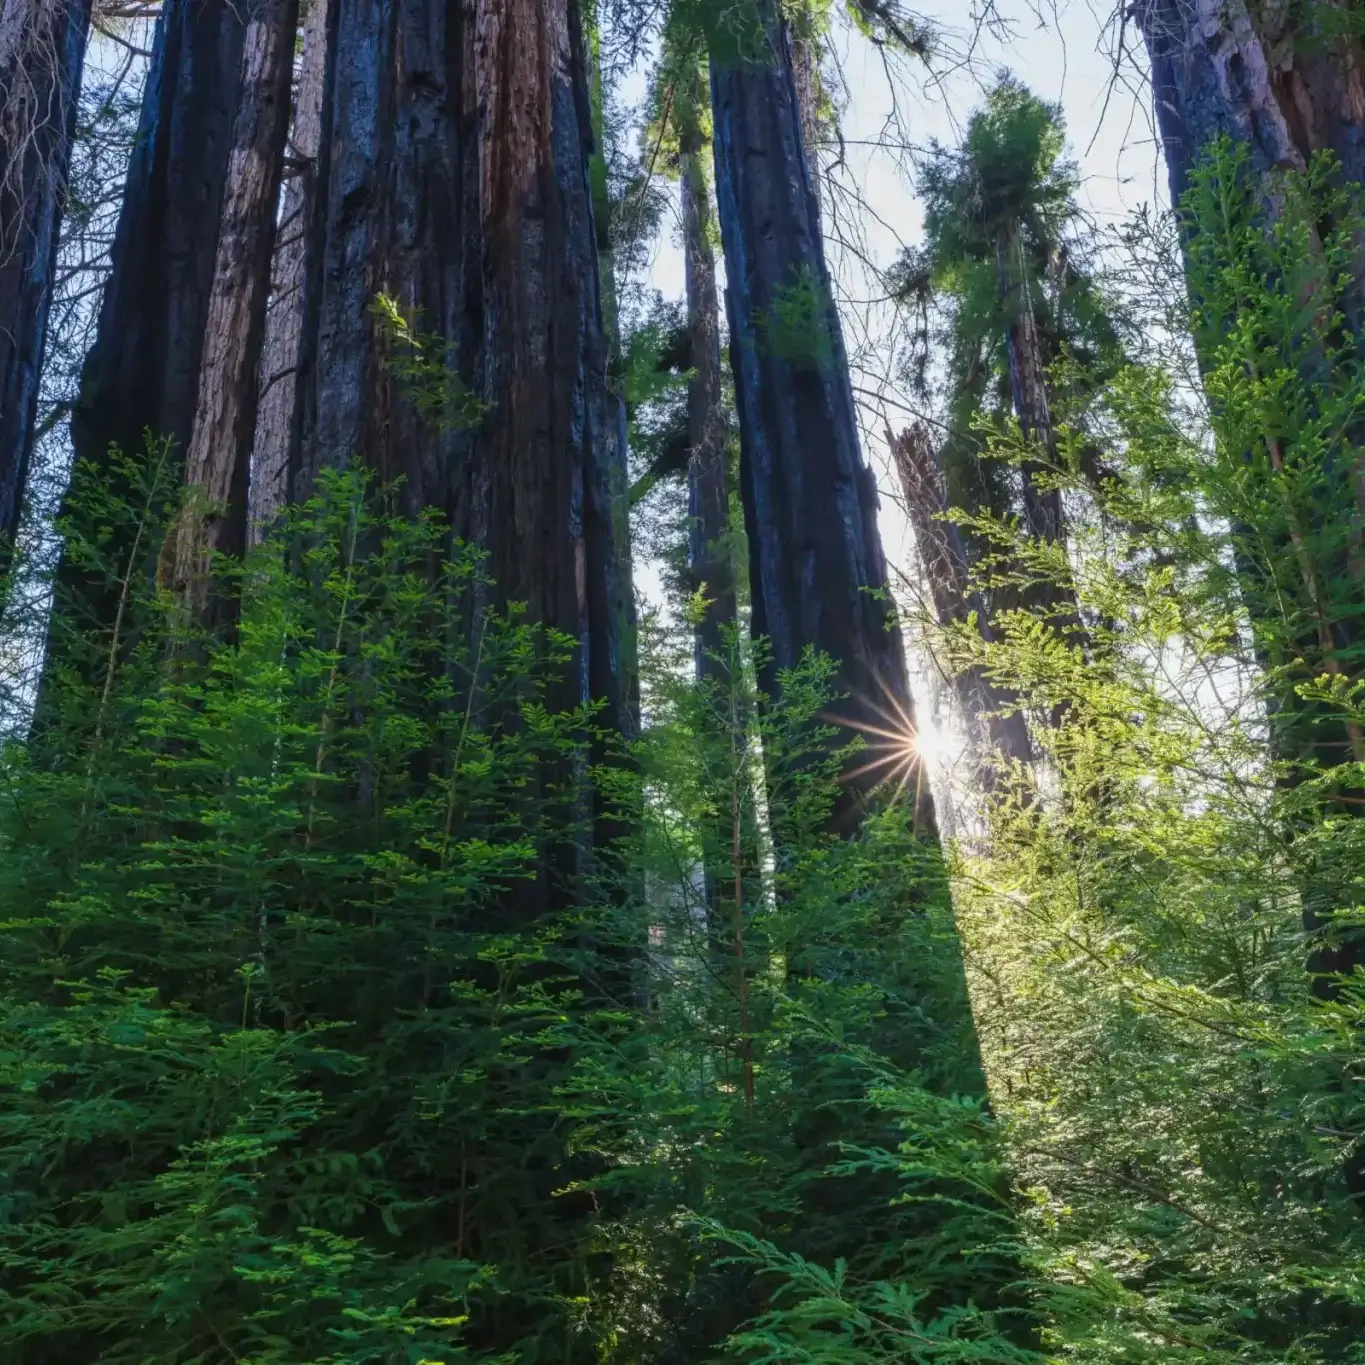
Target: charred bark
[[142, 374], [817, 572], [214, 518], [42, 48], [141, 379], [995, 726], [1286, 81], [268, 489]]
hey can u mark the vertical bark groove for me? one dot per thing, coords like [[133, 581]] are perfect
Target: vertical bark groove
[[709, 549], [277, 383], [454, 178], [216, 463], [142, 374]]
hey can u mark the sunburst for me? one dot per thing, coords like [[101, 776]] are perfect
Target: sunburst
[[895, 744]]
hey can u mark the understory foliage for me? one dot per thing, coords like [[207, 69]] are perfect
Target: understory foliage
[[1179, 1093], [329, 1037]]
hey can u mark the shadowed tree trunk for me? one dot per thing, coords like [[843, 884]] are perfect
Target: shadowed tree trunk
[[1286, 81], [141, 378], [269, 480], [1283, 83], [454, 179], [42, 48], [142, 373], [817, 572], [214, 518], [994, 728]]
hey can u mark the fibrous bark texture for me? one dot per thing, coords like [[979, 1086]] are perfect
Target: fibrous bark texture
[[214, 519], [142, 374], [454, 180], [42, 47], [269, 482], [1286, 80], [817, 572], [995, 727]]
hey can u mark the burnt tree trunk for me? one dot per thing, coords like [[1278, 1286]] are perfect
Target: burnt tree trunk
[[996, 728], [817, 572], [1286, 81], [454, 179], [268, 489], [42, 48], [142, 374], [214, 518]]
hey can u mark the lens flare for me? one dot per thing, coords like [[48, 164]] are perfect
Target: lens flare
[[896, 746]]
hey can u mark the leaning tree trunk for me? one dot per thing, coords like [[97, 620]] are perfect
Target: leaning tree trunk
[[995, 726], [42, 48], [214, 517], [268, 490], [817, 573]]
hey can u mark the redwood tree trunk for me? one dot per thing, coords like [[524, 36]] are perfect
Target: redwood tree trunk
[[994, 726], [142, 373], [214, 519], [42, 48], [817, 572], [709, 549], [454, 178], [141, 378], [269, 480], [1287, 81]]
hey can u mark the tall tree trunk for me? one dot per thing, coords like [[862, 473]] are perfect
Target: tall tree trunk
[[817, 572], [141, 378], [709, 548], [454, 179], [995, 727], [42, 48], [268, 490], [806, 69], [142, 374], [214, 518], [1284, 83]]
